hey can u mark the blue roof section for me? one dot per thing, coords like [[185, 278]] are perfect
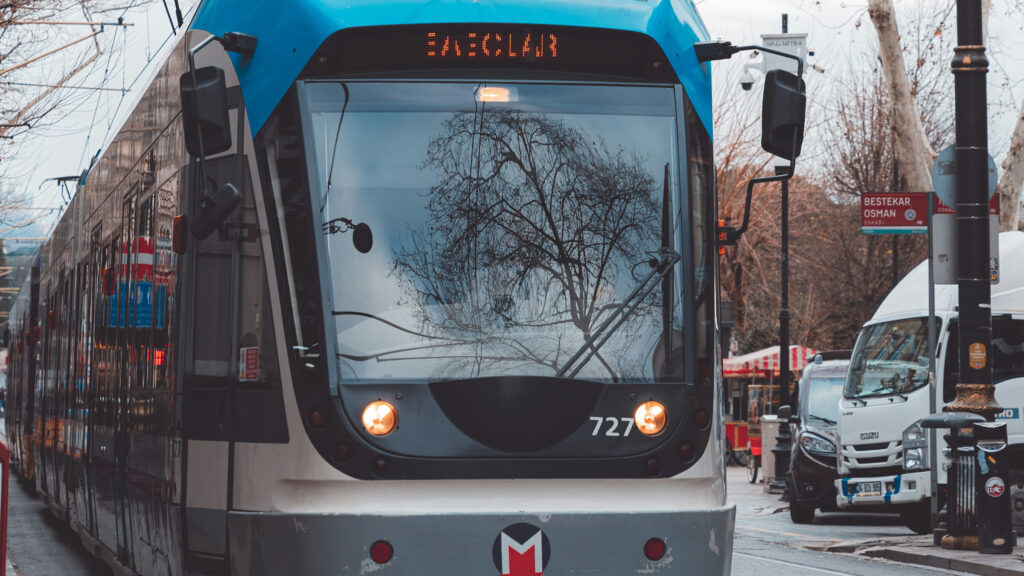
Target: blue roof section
[[290, 32]]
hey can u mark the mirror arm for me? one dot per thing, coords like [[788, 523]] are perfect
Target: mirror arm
[[708, 51], [735, 236]]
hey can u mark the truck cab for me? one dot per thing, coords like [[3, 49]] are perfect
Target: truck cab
[[884, 457]]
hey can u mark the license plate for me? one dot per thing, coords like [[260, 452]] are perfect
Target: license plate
[[869, 489]]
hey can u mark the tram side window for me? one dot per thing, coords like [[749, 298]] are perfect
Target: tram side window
[[254, 359], [701, 180], [281, 148]]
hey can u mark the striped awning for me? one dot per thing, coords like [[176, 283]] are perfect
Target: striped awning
[[761, 362]]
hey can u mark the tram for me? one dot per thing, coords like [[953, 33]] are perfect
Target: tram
[[424, 288]]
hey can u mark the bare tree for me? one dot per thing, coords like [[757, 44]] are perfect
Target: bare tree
[[44, 45], [913, 149], [533, 225]]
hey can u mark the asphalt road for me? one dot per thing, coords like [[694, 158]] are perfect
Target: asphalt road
[[768, 543]]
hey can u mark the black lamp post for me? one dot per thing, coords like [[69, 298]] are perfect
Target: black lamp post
[[784, 440]]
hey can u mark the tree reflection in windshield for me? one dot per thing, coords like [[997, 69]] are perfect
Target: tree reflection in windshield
[[507, 238], [531, 226]]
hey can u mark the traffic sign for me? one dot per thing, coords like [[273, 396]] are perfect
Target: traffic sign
[[944, 176]]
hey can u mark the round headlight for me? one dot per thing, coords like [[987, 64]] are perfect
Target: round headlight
[[380, 418], [650, 418], [817, 445]]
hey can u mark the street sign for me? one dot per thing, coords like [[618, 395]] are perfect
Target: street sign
[[899, 213]]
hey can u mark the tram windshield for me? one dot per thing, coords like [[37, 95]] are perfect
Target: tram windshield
[[889, 358], [476, 230]]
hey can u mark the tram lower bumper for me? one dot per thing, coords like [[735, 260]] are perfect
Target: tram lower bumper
[[697, 542]]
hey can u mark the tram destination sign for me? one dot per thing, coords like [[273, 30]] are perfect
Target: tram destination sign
[[559, 48], [899, 213]]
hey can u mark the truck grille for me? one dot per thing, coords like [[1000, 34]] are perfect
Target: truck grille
[[874, 455]]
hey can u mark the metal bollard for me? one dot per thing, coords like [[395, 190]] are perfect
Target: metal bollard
[[992, 496], [960, 518]]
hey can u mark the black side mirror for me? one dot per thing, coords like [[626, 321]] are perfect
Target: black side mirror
[[213, 210], [784, 108], [204, 111], [784, 413]]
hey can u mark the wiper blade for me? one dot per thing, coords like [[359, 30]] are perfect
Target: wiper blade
[[661, 265], [822, 418]]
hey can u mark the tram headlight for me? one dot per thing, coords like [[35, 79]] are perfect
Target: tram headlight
[[650, 418], [380, 418]]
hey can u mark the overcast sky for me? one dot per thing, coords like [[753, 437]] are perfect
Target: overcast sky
[[840, 34]]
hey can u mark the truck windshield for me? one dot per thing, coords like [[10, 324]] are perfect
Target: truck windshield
[[477, 230], [890, 358], [823, 398]]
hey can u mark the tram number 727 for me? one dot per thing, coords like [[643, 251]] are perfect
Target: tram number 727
[[613, 425]]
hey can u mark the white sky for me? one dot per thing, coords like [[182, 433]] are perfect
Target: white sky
[[840, 34]]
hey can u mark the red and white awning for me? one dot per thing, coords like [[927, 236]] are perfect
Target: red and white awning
[[761, 362]]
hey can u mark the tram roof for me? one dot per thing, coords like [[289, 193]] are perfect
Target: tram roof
[[290, 33]]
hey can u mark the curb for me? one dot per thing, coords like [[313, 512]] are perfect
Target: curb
[[1011, 565]]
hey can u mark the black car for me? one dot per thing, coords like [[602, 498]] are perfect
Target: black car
[[813, 458]]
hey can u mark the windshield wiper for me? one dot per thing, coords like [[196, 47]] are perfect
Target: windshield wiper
[[662, 263], [822, 418]]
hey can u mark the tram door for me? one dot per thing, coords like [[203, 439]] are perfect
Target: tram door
[[221, 272]]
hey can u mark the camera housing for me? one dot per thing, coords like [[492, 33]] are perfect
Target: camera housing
[[746, 80]]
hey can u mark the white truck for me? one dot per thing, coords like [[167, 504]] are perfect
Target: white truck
[[884, 458]]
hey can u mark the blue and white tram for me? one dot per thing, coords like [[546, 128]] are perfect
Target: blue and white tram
[[436, 295]]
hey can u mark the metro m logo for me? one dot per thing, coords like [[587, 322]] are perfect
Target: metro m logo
[[521, 550]]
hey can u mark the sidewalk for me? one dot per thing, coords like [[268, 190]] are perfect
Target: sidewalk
[[869, 535], [924, 553]]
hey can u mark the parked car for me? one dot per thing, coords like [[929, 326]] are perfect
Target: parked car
[[813, 458]]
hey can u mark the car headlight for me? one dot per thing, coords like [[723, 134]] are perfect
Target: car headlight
[[915, 448], [817, 445]]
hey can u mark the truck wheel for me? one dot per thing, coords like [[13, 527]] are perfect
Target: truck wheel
[[917, 516], [801, 513]]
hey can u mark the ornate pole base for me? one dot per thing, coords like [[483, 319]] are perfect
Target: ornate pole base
[[976, 398], [950, 542]]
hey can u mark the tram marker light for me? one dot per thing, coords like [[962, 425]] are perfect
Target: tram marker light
[[381, 552], [381, 466], [342, 452], [650, 418], [317, 419], [686, 452], [652, 466], [179, 237], [701, 419], [655, 549], [380, 418]]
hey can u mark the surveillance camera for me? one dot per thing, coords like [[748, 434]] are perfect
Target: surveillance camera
[[746, 81]]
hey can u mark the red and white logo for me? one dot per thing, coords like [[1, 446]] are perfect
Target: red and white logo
[[521, 550], [995, 487]]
